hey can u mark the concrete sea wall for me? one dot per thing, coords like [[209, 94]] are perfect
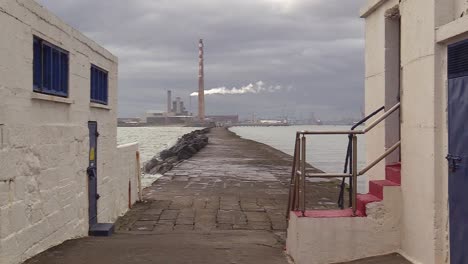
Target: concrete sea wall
[[126, 186]]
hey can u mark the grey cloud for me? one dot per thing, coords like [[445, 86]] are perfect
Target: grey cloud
[[316, 46]]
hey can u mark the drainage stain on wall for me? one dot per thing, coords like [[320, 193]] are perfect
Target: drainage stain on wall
[[2, 140]]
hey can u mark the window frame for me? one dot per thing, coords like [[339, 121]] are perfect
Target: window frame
[[102, 96], [57, 65]]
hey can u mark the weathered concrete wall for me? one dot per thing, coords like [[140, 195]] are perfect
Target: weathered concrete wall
[[333, 240], [460, 8], [424, 204], [441, 168], [376, 78], [126, 168], [44, 139], [418, 129], [424, 237], [427, 27], [450, 29]]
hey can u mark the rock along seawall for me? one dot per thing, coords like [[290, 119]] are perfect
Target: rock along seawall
[[186, 146]]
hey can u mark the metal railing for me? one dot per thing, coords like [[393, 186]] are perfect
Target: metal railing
[[348, 161], [300, 170]]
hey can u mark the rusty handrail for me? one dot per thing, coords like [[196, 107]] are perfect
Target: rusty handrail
[[299, 172]]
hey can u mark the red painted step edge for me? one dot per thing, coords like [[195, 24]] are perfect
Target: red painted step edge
[[393, 173], [363, 199], [393, 178], [376, 187]]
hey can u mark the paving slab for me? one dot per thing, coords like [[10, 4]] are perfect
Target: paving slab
[[240, 246], [227, 204]]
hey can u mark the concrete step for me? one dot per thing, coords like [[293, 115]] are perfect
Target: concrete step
[[393, 173], [376, 194], [324, 236], [364, 199], [376, 226], [376, 187]]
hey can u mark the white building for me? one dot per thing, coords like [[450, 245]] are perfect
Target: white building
[[61, 172], [416, 53]]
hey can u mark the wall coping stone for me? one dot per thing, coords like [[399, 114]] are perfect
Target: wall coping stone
[[128, 145], [370, 7], [452, 30]]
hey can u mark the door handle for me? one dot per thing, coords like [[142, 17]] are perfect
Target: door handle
[[453, 162], [91, 173]]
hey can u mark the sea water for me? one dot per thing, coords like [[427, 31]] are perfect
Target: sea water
[[325, 152], [151, 140]]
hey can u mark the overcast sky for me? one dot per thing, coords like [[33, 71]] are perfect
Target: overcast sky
[[312, 49]]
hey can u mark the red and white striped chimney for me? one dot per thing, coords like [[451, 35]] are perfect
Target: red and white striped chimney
[[201, 84]]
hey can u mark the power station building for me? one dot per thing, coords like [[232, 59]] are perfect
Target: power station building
[[178, 107], [176, 113]]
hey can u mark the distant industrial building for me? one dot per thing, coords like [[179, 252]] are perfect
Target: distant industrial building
[[176, 113], [130, 121], [168, 120], [178, 107], [224, 119]]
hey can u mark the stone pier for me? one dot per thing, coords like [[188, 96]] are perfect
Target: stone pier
[[227, 204]]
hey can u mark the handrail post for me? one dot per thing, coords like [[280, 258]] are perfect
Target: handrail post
[[293, 183], [302, 179], [355, 174], [351, 183], [297, 178]]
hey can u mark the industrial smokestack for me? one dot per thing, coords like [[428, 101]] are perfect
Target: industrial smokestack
[[178, 109], [201, 84], [169, 101]]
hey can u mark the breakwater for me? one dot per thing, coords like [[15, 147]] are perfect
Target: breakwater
[[186, 146]]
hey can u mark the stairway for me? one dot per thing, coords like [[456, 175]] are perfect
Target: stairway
[[331, 236], [376, 188]]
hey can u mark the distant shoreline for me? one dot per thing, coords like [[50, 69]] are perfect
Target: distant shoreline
[[146, 125]]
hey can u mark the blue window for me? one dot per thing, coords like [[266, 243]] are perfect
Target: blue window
[[50, 68], [99, 85]]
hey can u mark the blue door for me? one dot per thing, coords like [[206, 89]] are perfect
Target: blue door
[[458, 150], [92, 173]]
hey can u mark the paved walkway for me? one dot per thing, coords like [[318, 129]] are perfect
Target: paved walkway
[[233, 184], [225, 205], [387, 259]]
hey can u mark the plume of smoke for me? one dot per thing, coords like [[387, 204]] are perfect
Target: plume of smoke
[[258, 87]]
